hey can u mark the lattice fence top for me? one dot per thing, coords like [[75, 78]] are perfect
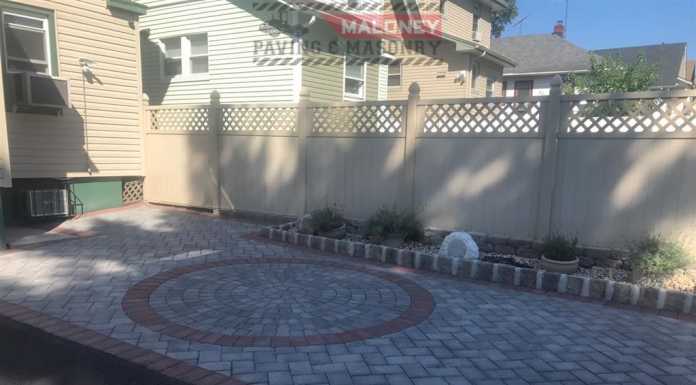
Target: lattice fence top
[[669, 116], [259, 119], [370, 119], [495, 118], [179, 119]]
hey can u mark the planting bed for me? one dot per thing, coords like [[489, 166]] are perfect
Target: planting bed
[[598, 283]]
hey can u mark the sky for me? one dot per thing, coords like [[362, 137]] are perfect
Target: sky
[[595, 24]]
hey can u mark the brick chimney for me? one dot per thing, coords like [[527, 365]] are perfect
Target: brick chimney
[[559, 29]]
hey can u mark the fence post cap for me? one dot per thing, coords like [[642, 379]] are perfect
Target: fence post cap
[[215, 96], [556, 81], [146, 99], [414, 89]]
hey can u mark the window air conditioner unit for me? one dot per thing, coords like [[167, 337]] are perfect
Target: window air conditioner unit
[[478, 36], [27, 89], [45, 203]]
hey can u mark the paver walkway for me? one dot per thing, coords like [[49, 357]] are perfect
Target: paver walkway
[[198, 290]]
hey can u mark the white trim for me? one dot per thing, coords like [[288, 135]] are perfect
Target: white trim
[[185, 58], [354, 97], [545, 73], [46, 30]]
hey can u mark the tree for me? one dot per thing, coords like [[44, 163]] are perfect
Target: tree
[[612, 74], [609, 75], [503, 17]]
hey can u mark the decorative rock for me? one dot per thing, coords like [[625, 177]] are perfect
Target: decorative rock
[[304, 225], [459, 245]]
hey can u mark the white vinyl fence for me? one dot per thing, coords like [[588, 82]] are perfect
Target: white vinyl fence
[[607, 168]]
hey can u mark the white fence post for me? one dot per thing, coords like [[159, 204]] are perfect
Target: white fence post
[[552, 122], [214, 129], [412, 126], [304, 127]]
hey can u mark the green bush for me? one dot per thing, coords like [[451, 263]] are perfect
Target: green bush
[[326, 219], [656, 258], [560, 248], [387, 223]]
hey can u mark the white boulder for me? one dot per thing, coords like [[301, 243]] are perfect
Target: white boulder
[[459, 245]]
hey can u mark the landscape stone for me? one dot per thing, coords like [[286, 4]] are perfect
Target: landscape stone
[[459, 245]]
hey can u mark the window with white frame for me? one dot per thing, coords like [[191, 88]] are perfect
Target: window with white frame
[[354, 78], [394, 73], [475, 73], [185, 55], [27, 42]]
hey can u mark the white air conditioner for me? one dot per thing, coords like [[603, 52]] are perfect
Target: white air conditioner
[[478, 36], [26, 89], [45, 203]]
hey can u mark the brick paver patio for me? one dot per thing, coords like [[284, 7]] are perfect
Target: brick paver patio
[[198, 290]]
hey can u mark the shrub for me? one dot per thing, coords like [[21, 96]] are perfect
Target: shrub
[[326, 219], [387, 223], [560, 248], [655, 258]]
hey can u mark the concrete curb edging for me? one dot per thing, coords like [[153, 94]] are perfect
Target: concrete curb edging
[[607, 291]]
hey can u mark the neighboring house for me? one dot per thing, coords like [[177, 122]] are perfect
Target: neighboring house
[[467, 65], [71, 88], [691, 72], [242, 50], [670, 61], [539, 58]]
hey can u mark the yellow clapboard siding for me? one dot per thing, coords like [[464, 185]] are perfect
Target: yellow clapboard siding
[[106, 114]]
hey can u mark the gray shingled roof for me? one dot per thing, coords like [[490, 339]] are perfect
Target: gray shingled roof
[[666, 57], [542, 53]]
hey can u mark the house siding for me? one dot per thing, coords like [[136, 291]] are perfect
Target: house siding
[[436, 79], [100, 135], [322, 71], [458, 20], [232, 32]]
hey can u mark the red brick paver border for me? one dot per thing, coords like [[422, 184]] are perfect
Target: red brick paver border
[[178, 371], [136, 304]]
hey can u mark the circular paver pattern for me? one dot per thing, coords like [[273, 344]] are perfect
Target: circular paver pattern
[[277, 302]]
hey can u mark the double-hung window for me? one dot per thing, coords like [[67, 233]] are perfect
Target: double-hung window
[[185, 56], [394, 73], [354, 78], [27, 42]]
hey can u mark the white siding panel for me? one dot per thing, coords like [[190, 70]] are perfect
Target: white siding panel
[[232, 32]]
